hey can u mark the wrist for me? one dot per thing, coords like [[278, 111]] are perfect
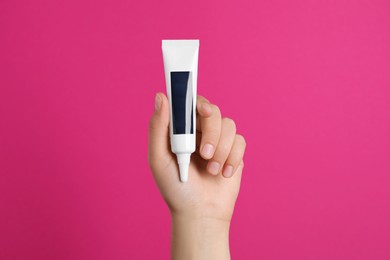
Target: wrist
[[199, 237]]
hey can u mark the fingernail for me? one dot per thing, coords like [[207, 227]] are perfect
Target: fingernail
[[214, 168], [157, 103], [228, 171], [207, 150]]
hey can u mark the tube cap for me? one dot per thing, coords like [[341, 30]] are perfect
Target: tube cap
[[183, 160]]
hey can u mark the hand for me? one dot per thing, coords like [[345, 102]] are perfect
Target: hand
[[208, 198], [208, 193]]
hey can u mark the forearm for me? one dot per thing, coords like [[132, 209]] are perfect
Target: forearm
[[199, 238]]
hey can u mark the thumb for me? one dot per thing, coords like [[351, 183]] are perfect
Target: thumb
[[158, 141]]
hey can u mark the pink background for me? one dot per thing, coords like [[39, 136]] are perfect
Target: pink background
[[308, 83]]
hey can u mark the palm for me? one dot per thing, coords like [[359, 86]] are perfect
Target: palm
[[203, 195]]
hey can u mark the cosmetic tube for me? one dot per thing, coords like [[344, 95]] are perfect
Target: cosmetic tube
[[181, 71]]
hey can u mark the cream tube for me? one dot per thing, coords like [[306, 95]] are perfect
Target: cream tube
[[181, 71]]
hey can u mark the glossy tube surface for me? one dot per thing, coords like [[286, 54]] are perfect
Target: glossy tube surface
[[181, 72]]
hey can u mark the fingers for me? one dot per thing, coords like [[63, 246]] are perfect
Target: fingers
[[224, 147], [158, 138], [235, 158], [210, 124], [217, 140]]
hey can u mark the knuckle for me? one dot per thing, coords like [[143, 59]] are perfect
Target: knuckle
[[216, 109], [202, 99], [241, 139], [229, 122], [201, 103], [241, 164], [152, 124]]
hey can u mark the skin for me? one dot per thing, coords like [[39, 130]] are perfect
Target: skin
[[201, 208]]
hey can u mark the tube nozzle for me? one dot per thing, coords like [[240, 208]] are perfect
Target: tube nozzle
[[184, 163], [183, 168]]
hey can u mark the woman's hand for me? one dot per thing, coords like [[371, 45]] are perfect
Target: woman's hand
[[206, 202]]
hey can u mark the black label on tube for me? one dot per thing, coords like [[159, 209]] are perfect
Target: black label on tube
[[182, 102]]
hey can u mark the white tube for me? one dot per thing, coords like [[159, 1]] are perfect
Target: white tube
[[181, 72]]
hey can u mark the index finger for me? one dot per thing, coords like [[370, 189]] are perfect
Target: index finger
[[203, 107]]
